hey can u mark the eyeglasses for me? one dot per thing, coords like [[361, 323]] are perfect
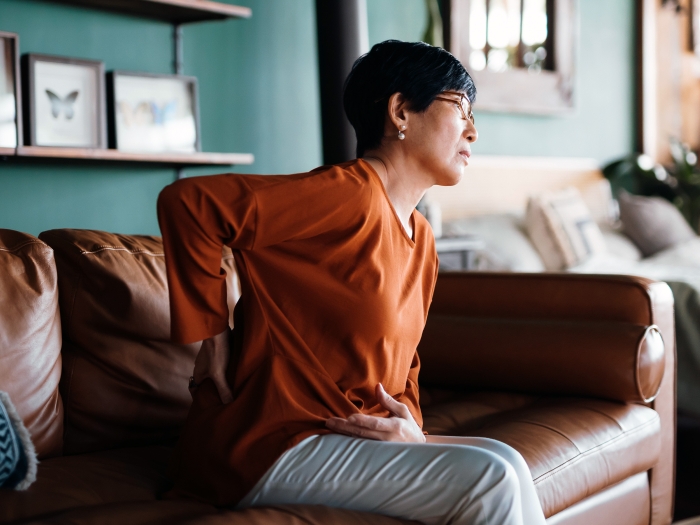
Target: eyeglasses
[[466, 113]]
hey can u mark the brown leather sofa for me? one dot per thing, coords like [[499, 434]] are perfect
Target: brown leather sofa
[[577, 372]]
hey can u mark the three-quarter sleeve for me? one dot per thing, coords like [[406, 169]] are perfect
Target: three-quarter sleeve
[[199, 215]]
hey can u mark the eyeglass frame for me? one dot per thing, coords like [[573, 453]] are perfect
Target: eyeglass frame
[[465, 116]]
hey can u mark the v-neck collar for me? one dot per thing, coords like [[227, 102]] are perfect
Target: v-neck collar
[[412, 218]]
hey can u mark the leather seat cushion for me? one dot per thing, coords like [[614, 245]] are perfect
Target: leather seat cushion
[[69, 482], [122, 486], [30, 337], [575, 447], [190, 513]]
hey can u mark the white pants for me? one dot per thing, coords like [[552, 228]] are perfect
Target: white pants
[[449, 480]]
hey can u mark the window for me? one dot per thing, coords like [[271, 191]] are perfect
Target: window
[[519, 52], [508, 34]]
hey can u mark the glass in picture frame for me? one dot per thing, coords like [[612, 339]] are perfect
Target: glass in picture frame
[[10, 97], [152, 113], [64, 101]]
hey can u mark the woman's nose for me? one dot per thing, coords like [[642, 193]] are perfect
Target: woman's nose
[[472, 133]]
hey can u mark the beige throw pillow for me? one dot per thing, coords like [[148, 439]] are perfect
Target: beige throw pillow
[[652, 223], [562, 230]]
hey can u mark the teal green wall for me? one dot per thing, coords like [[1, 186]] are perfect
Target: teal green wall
[[258, 83], [398, 19], [601, 127]]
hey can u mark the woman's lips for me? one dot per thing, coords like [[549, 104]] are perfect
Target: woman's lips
[[465, 154]]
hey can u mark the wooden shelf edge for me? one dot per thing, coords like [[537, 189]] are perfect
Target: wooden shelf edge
[[174, 11], [7, 152], [228, 10], [178, 159]]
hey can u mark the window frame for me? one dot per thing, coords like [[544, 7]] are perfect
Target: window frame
[[544, 93]]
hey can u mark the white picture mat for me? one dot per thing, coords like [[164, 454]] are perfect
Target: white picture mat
[[8, 105], [82, 130], [154, 114]]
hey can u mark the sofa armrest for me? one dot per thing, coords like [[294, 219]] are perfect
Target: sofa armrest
[[519, 331], [615, 361]]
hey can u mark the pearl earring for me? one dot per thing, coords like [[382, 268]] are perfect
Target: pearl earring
[[401, 134]]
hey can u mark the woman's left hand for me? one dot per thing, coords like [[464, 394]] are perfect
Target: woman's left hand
[[400, 427]]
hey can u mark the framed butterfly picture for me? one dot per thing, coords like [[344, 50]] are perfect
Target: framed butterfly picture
[[65, 102], [153, 113], [10, 96]]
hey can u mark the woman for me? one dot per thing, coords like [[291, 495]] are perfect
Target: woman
[[317, 400]]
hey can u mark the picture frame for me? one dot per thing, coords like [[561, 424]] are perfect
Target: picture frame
[[153, 113], [10, 94], [65, 102]]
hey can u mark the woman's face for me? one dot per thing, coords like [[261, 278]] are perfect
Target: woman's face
[[439, 138]]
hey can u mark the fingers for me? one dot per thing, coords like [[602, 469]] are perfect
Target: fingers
[[393, 406], [373, 422], [224, 391], [221, 385], [211, 363], [343, 426], [400, 428]]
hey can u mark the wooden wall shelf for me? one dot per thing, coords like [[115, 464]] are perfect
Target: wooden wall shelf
[[173, 11], [113, 155], [176, 12]]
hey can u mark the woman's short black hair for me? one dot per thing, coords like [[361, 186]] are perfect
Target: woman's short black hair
[[416, 70]]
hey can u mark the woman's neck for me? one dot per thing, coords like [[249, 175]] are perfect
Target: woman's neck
[[401, 182]]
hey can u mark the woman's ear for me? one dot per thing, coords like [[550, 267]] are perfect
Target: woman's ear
[[398, 111]]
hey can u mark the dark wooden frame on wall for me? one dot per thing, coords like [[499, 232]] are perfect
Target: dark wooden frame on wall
[[28, 81], [112, 110], [517, 91], [14, 39]]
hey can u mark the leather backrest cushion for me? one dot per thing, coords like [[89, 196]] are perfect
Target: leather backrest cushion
[[615, 361], [124, 383], [30, 338]]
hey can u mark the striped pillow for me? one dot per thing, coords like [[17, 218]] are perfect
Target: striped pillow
[[561, 228]]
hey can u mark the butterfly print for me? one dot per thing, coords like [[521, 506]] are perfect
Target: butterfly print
[[59, 104], [145, 113]]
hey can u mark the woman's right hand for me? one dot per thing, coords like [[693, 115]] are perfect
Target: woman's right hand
[[399, 427], [212, 363]]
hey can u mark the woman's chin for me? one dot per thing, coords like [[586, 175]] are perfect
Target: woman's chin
[[450, 178]]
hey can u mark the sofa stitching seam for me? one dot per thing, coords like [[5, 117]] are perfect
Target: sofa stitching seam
[[551, 429], [608, 416], [120, 249], [590, 451], [24, 244]]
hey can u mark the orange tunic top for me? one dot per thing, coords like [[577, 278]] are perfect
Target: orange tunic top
[[335, 296]]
